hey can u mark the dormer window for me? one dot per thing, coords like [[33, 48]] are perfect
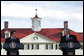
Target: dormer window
[[7, 34], [62, 33]]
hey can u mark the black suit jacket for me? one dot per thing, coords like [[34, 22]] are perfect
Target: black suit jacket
[[63, 40], [9, 40]]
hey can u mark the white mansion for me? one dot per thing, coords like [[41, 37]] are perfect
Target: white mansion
[[39, 41]]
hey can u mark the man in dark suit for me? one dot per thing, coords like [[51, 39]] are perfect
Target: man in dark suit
[[65, 39], [12, 39]]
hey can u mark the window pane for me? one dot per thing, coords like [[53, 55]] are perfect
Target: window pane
[[32, 46], [50, 46], [46, 46], [81, 46], [7, 35], [28, 46], [37, 46], [56, 46]]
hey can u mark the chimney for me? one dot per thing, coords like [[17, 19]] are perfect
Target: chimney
[[6, 25], [65, 24], [65, 28]]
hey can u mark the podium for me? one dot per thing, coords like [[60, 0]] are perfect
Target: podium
[[70, 47], [13, 47]]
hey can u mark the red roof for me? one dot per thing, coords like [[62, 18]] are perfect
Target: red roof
[[51, 33], [80, 33], [36, 16]]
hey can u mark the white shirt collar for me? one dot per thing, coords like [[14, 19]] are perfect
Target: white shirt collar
[[68, 35], [13, 37]]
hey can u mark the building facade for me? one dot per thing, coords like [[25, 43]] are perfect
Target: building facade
[[37, 40]]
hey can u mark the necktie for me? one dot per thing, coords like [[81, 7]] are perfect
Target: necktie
[[13, 38], [67, 38]]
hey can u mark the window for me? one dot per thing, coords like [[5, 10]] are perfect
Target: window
[[36, 46], [46, 46], [35, 38], [56, 46], [7, 34], [50, 46], [32, 20], [32, 46], [39, 23], [81, 46], [28, 46]]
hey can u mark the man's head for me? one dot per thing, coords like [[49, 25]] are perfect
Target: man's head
[[66, 32], [13, 33]]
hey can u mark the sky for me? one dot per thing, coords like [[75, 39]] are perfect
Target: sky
[[53, 14]]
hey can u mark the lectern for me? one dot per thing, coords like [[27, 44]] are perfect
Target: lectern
[[69, 47], [13, 47]]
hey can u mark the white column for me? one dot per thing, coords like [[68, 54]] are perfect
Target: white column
[[30, 46], [25, 46], [57, 45], [54, 46], [34, 46]]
